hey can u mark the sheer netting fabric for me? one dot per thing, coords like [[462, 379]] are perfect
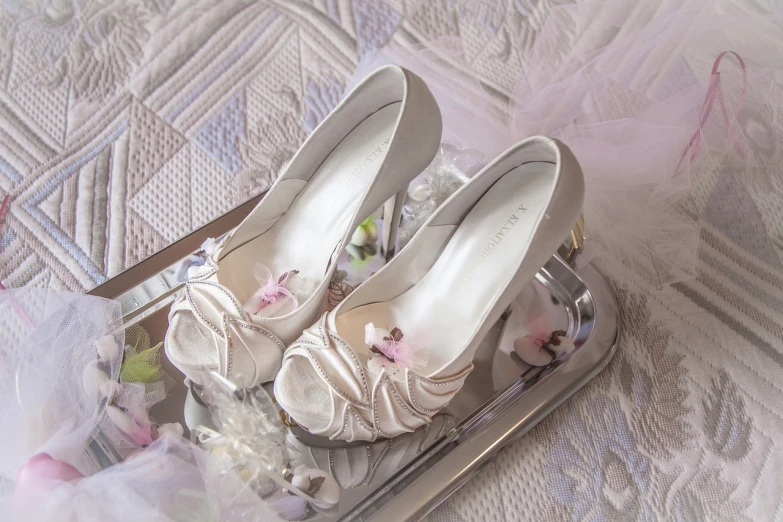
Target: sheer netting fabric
[[646, 101], [50, 344]]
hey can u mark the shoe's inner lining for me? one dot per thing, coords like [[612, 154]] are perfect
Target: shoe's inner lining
[[442, 310], [306, 236]]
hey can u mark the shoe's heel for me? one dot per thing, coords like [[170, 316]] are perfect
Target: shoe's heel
[[392, 213]]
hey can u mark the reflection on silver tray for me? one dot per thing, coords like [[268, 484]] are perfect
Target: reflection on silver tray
[[496, 406], [406, 477]]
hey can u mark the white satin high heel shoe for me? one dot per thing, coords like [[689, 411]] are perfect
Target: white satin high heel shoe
[[397, 349], [268, 279]]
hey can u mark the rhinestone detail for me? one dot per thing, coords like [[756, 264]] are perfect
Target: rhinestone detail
[[334, 387], [380, 459], [198, 312], [240, 309], [262, 331], [401, 402]]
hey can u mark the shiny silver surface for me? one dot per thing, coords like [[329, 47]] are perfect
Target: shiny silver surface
[[592, 316], [406, 477]]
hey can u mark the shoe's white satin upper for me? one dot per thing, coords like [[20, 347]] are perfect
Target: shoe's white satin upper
[[364, 408], [209, 317], [248, 351], [367, 406]]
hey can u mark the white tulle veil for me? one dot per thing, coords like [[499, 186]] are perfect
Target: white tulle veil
[[646, 101]]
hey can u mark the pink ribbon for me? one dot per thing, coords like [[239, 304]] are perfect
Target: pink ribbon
[[715, 92], [271, 291], [19, 310], [4, 207]]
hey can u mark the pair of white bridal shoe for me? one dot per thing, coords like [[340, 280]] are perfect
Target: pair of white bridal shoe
[[396, 350]]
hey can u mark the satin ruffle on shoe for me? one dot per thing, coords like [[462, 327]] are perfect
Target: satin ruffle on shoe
[[349, 402], [346, 379], [208, 315]]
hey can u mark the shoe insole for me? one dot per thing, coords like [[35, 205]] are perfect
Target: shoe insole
[[305, 237], [441, 311]]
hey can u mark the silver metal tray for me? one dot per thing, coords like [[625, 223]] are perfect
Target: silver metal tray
[[406, 477]]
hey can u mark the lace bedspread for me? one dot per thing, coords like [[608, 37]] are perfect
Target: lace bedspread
[[126, 125]]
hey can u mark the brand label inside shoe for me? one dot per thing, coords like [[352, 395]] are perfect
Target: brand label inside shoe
[[497, 239], [359, 169]]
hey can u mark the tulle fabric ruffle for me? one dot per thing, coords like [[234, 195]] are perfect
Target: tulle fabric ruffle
[[172, 479], [47, 340], [646, 97]]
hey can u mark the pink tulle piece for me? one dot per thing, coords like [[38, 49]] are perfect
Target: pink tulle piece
[[271, 291], [394, 347], [647, 97]]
